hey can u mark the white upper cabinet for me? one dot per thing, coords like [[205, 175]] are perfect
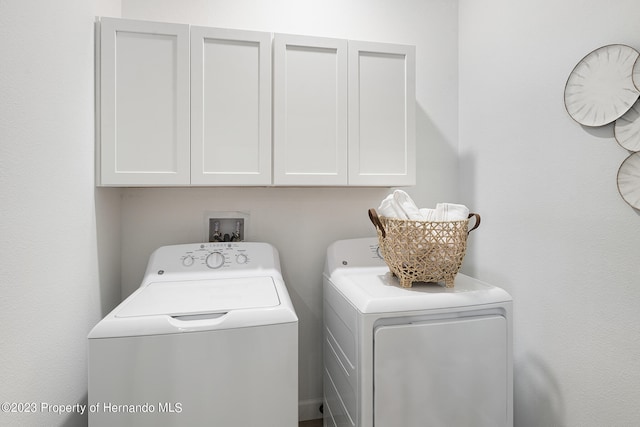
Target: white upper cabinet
[[230, 107], [317, 141], [180, 105], [144, 103], [310, 110], [381, 114]]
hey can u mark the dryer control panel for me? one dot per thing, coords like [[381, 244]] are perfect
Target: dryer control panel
[[363, 252], [213, 256]]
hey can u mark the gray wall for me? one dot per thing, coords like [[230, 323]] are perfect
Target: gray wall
[[59, 268], [555, 232]]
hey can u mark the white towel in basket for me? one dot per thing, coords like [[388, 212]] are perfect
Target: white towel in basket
[[389, 208], [451, 212], [400, 205], [406, 204]]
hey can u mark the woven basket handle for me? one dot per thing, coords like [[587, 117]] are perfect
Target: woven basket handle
[[477, 223], [373, 216]]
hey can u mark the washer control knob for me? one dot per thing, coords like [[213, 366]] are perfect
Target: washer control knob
[[242, 259], [215, 260], [187, 261]]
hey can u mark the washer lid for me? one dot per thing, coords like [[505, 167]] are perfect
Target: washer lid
[[190, 297]]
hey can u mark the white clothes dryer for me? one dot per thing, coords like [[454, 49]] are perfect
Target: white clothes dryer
[[209, 338], [412, 357]]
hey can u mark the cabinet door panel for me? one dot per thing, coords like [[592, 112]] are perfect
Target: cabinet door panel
[[144, 103], [381, 114], [310, 99], [230, 107]]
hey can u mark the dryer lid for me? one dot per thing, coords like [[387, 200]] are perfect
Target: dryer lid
[[188, 297], [375, 290]]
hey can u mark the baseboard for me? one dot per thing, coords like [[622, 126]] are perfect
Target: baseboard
[[309, 409]]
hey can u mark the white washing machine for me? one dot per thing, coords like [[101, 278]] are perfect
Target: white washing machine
[[209, 338], [420, 356]]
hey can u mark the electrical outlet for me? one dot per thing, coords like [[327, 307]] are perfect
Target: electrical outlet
[[225, 226]]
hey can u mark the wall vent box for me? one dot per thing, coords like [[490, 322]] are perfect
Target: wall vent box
[[225, 226]]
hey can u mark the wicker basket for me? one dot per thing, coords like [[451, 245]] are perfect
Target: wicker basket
[[423, 251]]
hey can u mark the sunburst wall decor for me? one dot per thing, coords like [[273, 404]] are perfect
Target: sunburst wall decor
[[603, 88]]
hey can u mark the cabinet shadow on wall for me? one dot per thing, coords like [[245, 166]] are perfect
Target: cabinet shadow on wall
[[108, 239]]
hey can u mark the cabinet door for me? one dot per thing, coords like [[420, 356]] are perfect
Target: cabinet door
[[230, 107], [381, 114], [144, 103], [310, 110]]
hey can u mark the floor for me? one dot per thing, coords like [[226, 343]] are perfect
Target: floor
[[310, 423]]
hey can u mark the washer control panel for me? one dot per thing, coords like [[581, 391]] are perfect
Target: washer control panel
[[213, 256], [217, 255]]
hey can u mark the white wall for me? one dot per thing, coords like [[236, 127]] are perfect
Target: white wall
[[302, 222], [555, 232], [59, 266]]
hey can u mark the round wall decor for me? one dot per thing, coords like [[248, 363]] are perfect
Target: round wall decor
[[600, 89], [636, 73], [627, 129], [629, 180]]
